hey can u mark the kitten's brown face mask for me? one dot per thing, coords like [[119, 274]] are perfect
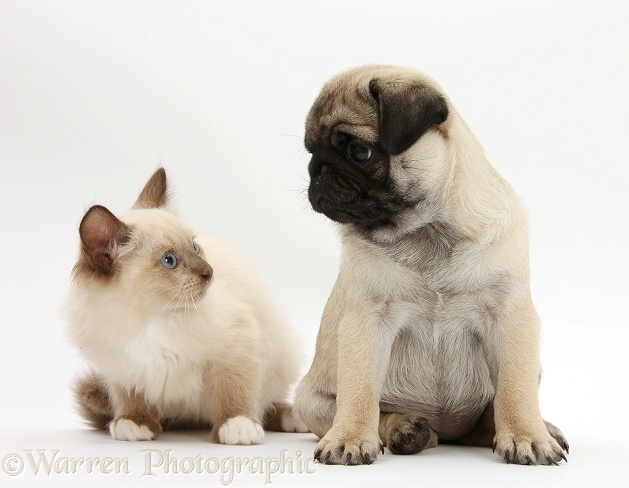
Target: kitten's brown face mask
[[151, 255], [171, 272]]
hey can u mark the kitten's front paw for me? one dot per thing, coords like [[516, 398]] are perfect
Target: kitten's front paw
[[527, 449], [349, 447], [126, 429], [240, 430]]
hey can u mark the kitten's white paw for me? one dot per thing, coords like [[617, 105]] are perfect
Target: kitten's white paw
[[124, 429], [240, 430], [291, 422]]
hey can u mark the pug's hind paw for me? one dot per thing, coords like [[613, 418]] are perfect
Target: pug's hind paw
[[348, 448], [407, 433], [527, 450]]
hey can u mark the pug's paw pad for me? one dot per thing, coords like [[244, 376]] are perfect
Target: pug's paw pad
[[240, 430], [348, 448]]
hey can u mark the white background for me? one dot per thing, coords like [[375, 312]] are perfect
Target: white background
[[95, 95]]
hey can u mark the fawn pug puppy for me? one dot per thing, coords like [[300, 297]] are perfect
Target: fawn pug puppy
[[430, 332]]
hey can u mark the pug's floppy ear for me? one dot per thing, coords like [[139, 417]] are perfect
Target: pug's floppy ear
[[406, 110]]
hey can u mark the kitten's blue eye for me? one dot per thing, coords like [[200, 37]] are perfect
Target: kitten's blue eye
[[169, 260], [197, 249]]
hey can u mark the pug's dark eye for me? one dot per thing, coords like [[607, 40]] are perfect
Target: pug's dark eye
[[359, 153]]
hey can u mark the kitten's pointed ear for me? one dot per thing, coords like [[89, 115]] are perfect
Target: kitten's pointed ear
[[101, 234], [406, 110], [155, 192]]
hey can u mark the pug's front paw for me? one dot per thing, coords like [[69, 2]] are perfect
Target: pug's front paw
[[349, 446], [556, 434], [529, 449]]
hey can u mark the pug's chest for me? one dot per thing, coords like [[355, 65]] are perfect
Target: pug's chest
[[442, 256], [427, 251], [438, 367], [442, 342]]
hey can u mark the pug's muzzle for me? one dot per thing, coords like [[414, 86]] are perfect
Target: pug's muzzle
[[345, 195]]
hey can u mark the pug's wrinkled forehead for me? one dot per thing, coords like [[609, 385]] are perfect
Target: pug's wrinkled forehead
[[385, 105], [344, 106]]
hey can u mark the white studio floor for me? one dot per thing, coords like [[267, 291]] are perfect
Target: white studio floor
[[42, 434], [95, 95], [67, 455]]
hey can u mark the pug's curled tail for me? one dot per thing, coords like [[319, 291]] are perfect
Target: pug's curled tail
[[91, 394]]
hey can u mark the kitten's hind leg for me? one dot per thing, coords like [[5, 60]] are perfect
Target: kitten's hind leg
[[282, 417], [92, 397], [134, 420]]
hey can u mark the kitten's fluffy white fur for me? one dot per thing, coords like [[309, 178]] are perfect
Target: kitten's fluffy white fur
[[166, 336]]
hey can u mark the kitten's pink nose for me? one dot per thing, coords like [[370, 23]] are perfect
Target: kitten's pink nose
[[207, 273], [201, 268]]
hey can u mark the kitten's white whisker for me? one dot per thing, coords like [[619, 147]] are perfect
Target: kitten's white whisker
[[183, 297], [155, 295], [174, 296], [175, 310], [196, 297]]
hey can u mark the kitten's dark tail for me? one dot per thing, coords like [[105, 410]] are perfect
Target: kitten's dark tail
[[92, 398]]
